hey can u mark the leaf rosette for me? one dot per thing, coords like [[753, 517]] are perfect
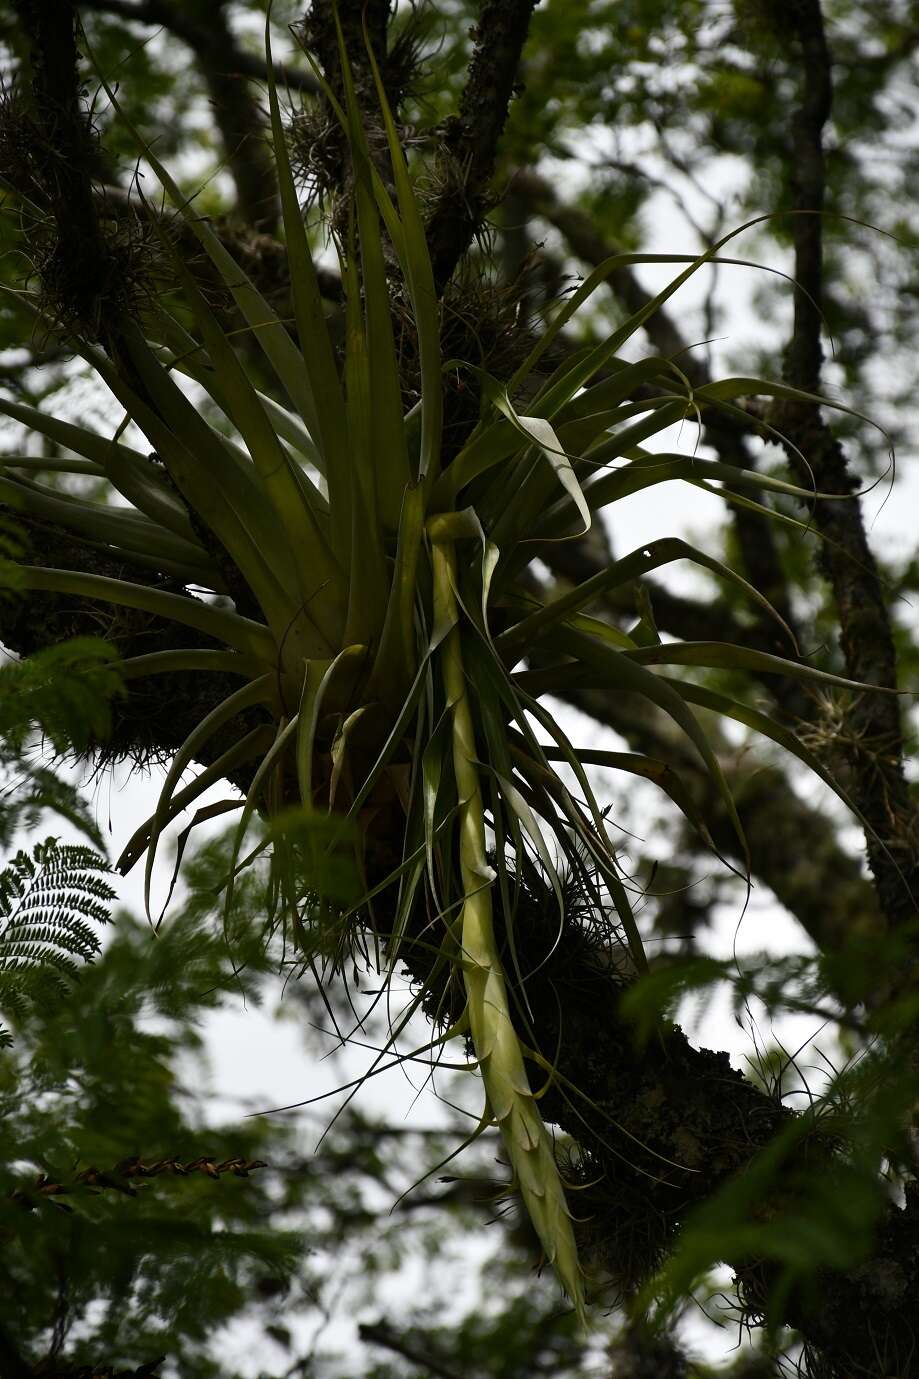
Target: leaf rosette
[[369, 596]]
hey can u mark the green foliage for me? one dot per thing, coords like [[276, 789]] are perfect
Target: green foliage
[[129, 1229], [133, 1228], [64, 691]]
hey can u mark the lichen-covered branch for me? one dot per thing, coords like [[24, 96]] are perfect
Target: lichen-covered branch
[[471, 139], [63, 160], [324, 157], [872, 743]]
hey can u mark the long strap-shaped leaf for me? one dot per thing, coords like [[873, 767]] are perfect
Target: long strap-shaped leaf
[[270, 761], [46, 464], [643, 470], [252, 638], [195, 658], [728, 656], [123, 528], [614, 669], [767, 727], [330, 421], [287, 424], [491, 444], [391, 457], [516, 504], [369, 576], [130, 472], [208, 473], [181, 351], [290, 503], [415, 261], [315, 564], [270, 460], [253, 744], [636, 565], [578, 373], [660, 773], [396, 659], [510, 1098], [308, 716], [260, 691]]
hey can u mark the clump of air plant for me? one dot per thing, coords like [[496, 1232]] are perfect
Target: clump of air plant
[[81, 293], [837, 733], [17, 139], [30, 162], [400, 48], [314, 146], [484, 320], [317, 143], [830, 726], [91, 257], [643, 1236]]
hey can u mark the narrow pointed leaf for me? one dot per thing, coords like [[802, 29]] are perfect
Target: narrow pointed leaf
[[249, 637]]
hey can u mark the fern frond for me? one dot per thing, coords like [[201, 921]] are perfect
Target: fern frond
[[49, 902]]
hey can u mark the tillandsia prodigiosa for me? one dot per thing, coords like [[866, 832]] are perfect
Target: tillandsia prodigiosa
[[390, 653]]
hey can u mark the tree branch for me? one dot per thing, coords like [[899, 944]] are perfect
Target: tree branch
[[180, 22], [63, 158], [665, 1126], [471, 137], [873, 740], [381, 1334]]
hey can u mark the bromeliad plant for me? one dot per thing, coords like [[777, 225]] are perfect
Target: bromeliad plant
[[393, 653]]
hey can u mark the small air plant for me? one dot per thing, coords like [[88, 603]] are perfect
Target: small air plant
[[390, 631]]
